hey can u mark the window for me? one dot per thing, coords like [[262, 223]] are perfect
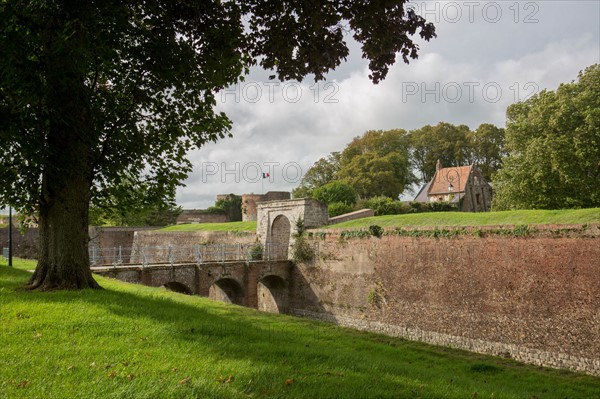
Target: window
[[478, 198]]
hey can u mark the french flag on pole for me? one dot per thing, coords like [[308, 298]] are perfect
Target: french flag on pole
[[265, 175]]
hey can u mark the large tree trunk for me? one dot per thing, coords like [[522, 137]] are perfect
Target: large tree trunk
[[68, 170], [63, 237], [64, 208]]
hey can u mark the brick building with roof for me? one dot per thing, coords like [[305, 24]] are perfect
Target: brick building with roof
[[461, 185]]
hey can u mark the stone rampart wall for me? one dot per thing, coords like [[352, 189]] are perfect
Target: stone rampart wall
[[363, 213], [530, 295]]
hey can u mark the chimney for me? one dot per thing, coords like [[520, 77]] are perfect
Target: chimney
[[438, 165]]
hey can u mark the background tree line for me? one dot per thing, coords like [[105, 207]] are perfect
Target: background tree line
[[389, 163], [547, 158]]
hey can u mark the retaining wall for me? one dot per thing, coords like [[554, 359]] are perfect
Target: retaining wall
[[360, 214], [530, 295], [190, 238]]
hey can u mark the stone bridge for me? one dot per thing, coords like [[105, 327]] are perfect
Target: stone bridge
[[262, 285]]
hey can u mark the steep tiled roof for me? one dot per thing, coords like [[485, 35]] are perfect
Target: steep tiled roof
[[422, 194], [457, 176]]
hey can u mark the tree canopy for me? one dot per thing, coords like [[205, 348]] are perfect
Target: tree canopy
[[487, 149], [95, 95], [381, 163], [553, 144], [134, 209], [377, 163], [322, 172], [445, 142], [335, 191], [455, 146]]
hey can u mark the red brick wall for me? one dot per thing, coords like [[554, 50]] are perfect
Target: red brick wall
[[249, 202], [536, 298]]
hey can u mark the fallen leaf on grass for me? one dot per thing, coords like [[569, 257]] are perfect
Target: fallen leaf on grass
[[112, 374], [185, 380], [225, 380], [289, 381], [131, 377], [174, 369], [23, 384]]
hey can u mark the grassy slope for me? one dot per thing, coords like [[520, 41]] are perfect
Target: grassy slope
[[570, 216], [231, 226], [575, 216], [131, 341]]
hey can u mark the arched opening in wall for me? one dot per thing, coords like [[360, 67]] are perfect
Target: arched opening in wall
[[280, 238], [272, 292], [226, 290], [178, 287]]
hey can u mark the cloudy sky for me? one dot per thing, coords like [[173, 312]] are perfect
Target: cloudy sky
[[487, 55]]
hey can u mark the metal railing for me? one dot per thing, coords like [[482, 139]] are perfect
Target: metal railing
[[201, 253]]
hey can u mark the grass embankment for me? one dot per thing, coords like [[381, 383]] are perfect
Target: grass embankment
[[528, 217], [230, 226], [131, 341]]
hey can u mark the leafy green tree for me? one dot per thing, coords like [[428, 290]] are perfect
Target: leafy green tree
[[231, 206], [130, 203], [322, 172], [444, 141], [377, 163], [147, 215], [338, 208], [335, 191], [487, 149], [380, 142], [92, 91], [386, 206], [553, 145]]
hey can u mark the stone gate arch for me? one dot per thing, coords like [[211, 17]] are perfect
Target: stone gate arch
[[270, 226], [279, 240]]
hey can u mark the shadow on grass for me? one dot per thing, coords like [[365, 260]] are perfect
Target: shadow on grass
[[326, 361]]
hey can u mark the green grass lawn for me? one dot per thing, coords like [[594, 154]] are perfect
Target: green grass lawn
[[569, 216], [131, 341], [230, 226]]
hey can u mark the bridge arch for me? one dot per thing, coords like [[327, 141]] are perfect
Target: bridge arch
[[176, 286], [227, 290], [272, 292]]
